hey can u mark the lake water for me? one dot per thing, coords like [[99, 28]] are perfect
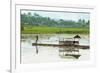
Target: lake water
[[49, 53]]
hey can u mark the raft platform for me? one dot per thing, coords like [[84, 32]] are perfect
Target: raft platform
[[62, 45]]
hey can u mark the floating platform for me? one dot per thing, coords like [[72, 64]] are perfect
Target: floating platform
[[62, 45]]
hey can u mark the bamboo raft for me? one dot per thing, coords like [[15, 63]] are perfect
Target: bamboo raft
[[62, 45]]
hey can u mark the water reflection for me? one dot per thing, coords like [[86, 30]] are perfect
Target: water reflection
[[33, 54]]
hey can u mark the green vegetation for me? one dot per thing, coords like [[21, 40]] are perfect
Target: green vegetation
[[38, 20], [53, 30], [37, 24]]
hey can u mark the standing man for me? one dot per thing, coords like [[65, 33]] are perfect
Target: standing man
[[37, 38], [36, 44]]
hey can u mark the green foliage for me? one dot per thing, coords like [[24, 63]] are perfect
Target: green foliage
[[22, 28], [36, 24], [37, 20]]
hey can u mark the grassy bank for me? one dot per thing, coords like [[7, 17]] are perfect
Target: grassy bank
[[53, 30]]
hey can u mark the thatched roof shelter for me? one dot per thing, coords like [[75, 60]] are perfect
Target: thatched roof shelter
[[77, 36]]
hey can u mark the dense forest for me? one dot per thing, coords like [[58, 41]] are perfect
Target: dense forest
[[38, 20]]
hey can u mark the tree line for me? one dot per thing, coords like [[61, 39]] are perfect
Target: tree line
[[38, 20]]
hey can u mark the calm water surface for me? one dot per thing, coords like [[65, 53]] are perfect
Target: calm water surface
[[46, 53]]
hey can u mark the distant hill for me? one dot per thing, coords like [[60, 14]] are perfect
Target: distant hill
[[37, 20]]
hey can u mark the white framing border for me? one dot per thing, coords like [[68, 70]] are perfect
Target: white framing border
[[15, 55]]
